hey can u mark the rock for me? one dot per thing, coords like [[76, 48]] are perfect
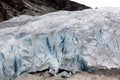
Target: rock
[[81, 76], [64, 40], [3, 13], [11, 8]]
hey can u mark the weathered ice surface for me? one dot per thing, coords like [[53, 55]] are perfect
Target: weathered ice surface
[[69, 41]]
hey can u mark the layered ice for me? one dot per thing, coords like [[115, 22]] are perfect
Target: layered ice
[[70, 41]]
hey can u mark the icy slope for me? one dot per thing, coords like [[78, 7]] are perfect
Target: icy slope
[[71, 41]]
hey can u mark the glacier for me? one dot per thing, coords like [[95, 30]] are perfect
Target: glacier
[[72, 41]]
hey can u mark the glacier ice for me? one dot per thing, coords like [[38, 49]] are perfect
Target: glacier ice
[[72, 41]]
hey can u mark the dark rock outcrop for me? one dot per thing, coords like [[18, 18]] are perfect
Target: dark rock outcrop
[[11, 8]]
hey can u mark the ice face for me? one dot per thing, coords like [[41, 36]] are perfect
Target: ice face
[[70, 41]]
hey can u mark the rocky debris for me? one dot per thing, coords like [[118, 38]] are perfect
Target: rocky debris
[[111, 72], [78, 76], [11, 8]]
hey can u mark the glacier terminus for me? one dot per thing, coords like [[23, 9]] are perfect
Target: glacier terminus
[[72, 41]]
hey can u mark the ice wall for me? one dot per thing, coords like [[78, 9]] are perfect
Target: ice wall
[[71, 41]]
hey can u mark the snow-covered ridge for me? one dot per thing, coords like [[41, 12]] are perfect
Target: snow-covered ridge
[[72, 41]]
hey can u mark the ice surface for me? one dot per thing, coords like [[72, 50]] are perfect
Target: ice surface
[[72, 41]]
